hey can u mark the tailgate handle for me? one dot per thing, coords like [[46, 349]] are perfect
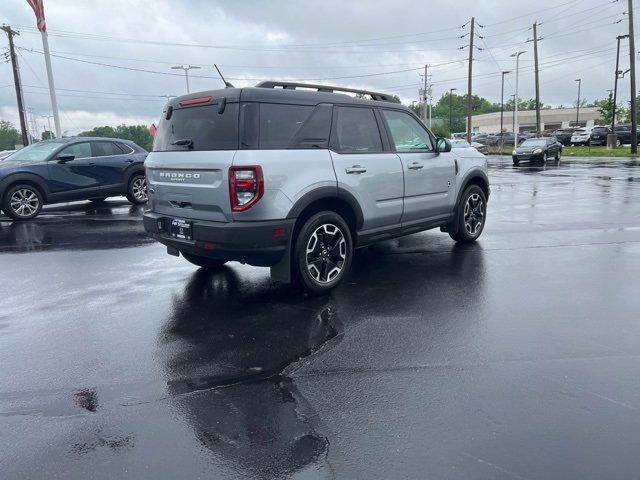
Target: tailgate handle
[[180, 204]]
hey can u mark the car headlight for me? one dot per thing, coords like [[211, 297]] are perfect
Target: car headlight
[[537, 150], [514, 152]]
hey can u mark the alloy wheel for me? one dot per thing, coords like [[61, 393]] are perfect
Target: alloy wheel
[[473, 214], [326, 253], [139, 189], [24, 202]]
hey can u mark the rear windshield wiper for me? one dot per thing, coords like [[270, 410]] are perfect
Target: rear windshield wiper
[[184, 142]]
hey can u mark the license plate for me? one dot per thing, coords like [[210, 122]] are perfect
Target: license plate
[[181, 229]]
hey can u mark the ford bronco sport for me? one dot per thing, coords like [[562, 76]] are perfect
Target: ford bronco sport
[[295, 177]]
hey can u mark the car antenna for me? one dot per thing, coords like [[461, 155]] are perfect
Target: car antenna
[[226, 84]]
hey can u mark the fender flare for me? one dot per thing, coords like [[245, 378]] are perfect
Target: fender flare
[[131, 171], [26, 177], [327, 192], [468, 177]]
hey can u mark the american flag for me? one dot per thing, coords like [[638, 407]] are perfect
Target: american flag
[[38, 9]]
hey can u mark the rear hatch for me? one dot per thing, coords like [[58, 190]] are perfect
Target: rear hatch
[[193, 149]]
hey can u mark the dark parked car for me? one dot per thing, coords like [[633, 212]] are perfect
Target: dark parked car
[[599, 135], [563, 135], [537, 149], [69, 169]]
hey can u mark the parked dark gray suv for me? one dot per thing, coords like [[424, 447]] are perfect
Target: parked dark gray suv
[[296, 176]]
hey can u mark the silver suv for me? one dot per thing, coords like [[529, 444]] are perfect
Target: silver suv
[[295, 177]]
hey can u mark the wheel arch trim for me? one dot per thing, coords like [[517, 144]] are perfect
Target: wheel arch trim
[[32, 178], [328, 193]]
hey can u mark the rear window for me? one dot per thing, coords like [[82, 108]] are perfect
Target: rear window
[[203, 126], [599, 129], [357, 130], [269, 126]]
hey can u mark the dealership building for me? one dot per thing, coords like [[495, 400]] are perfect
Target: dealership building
[[550, 119]]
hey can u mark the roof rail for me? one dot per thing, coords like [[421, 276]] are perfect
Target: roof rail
[[383, 97]]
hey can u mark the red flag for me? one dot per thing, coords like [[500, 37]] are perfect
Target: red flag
[[152, 130], [38, 9]]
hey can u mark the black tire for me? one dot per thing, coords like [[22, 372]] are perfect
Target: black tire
[[137, 189], [22, 202], [516, 162], [203, 262], [469, 233], [618, 142], [558, 155], [545, 157], [97, 200], [324, 267]]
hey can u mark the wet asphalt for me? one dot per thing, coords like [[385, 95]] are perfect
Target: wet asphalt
[[515, 357]]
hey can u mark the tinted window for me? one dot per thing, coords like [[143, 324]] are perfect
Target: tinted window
[[125, 148], [357, 130], [280, 123], [407, 134], [78, 150], [204, 126], [104, 149]]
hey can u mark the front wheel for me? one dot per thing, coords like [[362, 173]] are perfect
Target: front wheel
[[558, 155], [204, 262], [471, 215], [137, 189], [323, 252], [22, 202]]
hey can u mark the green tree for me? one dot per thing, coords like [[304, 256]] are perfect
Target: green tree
[[136, 133], [9, 136], [458, 111], [605, 108], [529, 104]]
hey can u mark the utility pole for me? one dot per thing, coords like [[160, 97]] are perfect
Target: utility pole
[[579, 80], [513, 119], [516, 126], [535, 59], [18, 85], [632, 66], [186, 69], [451, 90], [615, 83], [469, 86], [424, 96]]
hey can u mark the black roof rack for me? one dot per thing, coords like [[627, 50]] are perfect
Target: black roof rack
[[384, 97]]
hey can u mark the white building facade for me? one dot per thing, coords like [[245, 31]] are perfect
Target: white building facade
[[550, 119]]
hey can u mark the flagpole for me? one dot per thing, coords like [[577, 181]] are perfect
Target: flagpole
[[52, 87]]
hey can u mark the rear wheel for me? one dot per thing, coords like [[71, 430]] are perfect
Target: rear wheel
[[22, 202], [137, 189], [558, 155], [471, 215], [204, 262], [323, 252], [618, 142], [545, 157]]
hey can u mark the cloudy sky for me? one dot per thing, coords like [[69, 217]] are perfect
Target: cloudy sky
[[113, 57]]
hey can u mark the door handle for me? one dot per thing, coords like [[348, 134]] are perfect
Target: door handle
[[356, 169], [129, 160], [415, 166], [92, 164]]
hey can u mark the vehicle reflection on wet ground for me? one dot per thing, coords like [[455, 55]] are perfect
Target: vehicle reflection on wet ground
[[516, 357]]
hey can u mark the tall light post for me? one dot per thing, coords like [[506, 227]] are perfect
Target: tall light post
[[186, 69], [516, 127], [451, 90], [579, 80], [513, 117], [502, 110]]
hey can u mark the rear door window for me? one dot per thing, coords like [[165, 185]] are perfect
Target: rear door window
[[356, 130], [203, 126], [106, 149]]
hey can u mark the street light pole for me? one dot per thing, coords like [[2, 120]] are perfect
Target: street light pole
[[579, 80], [186, 69], [451, 90], [615, 84], [516, 127]]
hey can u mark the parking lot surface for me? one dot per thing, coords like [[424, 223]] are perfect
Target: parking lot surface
[[516, 357]]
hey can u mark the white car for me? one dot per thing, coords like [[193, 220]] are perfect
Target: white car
[[460, 143], [581, 136]]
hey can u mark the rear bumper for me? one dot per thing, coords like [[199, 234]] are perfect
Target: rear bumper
[[255, 243]]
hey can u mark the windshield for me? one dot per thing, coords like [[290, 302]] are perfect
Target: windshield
[[37, 152], [534, 142]]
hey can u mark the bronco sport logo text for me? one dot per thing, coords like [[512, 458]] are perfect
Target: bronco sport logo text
[[178, 177]]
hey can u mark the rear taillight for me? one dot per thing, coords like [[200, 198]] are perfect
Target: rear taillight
[[246, 186]]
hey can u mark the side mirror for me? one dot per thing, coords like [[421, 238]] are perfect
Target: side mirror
[[443, 145], [65, 158]]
